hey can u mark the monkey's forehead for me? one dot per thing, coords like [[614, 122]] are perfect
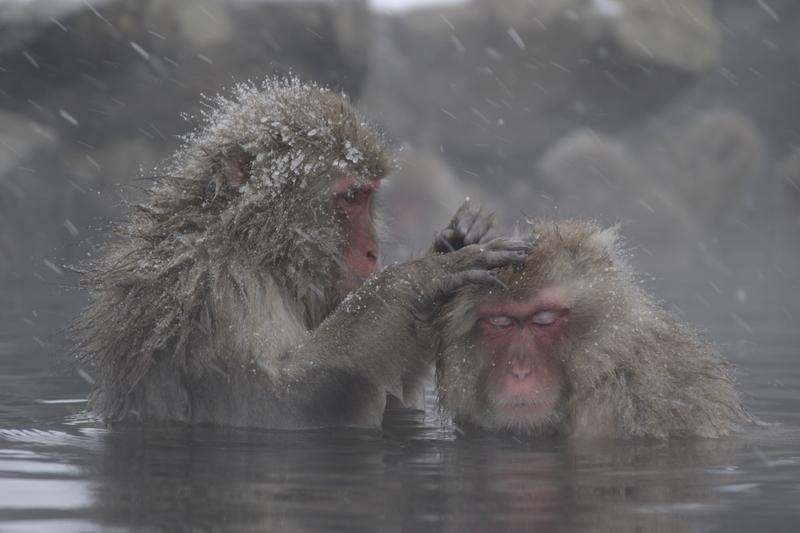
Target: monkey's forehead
[[551, 297]]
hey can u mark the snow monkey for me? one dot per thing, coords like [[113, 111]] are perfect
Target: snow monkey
[[246, 288], [569, 344]]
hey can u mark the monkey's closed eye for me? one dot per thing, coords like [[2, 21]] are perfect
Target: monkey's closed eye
[[499, 322], [548, 317]]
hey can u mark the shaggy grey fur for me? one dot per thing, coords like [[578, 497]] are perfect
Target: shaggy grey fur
[[220, 301], [627, 367]]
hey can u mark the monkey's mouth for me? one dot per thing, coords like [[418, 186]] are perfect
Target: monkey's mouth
[[520, 409], [529, 410]]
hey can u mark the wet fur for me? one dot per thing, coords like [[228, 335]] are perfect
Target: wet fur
[[230, 260], [629, 368]]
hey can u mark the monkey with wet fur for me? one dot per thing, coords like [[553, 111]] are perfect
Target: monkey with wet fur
[[571, 345], [228, 296]]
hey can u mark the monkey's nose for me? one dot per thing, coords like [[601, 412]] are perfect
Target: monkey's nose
[[521, 371], [374, 259]]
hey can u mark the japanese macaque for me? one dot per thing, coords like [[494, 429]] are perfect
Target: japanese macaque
[[569, 344], [228, 296]]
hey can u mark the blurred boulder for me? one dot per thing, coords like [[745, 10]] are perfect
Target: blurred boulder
[[503, 79], [789, 172], [665, 183], [679, 36], [24, 20], [587, 168], [420, 199], [112, 82], [134, 68], [708, 158], [597, 176]]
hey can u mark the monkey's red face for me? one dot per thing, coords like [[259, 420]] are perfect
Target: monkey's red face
[[360, 253], [523, 385]]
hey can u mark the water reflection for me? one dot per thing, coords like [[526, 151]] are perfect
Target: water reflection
[[179, 478], [60, 472]]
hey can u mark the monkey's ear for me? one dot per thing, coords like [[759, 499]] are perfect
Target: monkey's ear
[[604, 244], [607, 238], [237, 168]]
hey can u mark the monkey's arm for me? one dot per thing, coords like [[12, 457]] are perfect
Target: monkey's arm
[[374, 339]]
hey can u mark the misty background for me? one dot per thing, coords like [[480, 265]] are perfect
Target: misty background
[[680, 121]]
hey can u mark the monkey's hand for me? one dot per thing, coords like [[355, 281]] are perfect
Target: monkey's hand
[[475, 263], [378, 339], [421, 283], [469, 226]]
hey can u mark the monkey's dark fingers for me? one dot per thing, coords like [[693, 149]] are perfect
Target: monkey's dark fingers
[[473, 225], [468, 227], [497, 259], [473, 234], [484, 235], [523, 244], [443, 242], [498, 253], [464, 222], [469, 277]]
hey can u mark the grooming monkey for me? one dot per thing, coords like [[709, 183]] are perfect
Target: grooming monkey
[[246, 288]]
